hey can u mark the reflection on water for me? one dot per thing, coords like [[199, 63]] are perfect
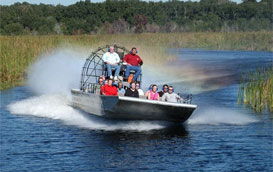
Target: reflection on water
[[171, 131]]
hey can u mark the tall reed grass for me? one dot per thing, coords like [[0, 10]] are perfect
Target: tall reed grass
[[18, 52], [256, 89]]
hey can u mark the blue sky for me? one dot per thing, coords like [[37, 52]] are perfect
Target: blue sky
[[63, 2]]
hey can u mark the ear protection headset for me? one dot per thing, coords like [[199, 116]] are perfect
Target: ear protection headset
[[138, 84], [172, 88], [99, 80], [109, 49], [131, 84], [132, 50], [155, 86], [121, 84], [164, 86], [150, 87]]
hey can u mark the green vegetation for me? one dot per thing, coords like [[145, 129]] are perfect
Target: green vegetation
[[128, 16], [16, 55], [256, 89], [18, 52]]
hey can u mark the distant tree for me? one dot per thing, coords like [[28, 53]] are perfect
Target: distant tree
[[119, 16], [13, 29], [140, 23], [120, 26], [171, 27], [153, 28]]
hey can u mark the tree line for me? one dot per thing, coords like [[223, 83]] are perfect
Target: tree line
[[128, 16]]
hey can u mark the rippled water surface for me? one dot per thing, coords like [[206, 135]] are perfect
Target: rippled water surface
[[44, 133]]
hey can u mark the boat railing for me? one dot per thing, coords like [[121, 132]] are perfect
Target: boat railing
[[186, 100]]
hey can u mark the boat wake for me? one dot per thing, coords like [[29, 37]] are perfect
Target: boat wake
[[57, 106], [217, 116]]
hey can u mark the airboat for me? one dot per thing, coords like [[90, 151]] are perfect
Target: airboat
[[121, 107]]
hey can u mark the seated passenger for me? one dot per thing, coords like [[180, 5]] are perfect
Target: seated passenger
[[132, 92], [170, 96], [153, 95], [164, 90], [120, 88], [150, 88], [98, 86], [103, 77], [109, 90], [140, 91], [133, 61], [105, 83], [112, 61]]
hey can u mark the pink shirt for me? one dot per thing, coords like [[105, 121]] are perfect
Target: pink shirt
[[153, 96]]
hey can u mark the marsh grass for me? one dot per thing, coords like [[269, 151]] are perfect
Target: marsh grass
[[18, 52], [256, 89]]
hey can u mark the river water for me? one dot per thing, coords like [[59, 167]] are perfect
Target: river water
[[42, 132]]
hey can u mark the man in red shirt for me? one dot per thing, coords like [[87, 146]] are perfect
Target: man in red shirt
[[109, 90], [133, 61]]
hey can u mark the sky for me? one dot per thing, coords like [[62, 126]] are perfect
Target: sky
[[63, 2]]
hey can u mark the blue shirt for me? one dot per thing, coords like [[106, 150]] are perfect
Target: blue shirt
[[121, 90]]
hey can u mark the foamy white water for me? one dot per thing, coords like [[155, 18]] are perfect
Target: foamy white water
[[57, 72], [217, 116], [57, 106]]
